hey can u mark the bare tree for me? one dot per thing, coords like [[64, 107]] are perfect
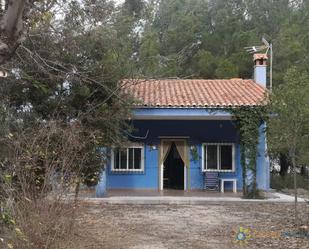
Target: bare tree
[[45, 163]]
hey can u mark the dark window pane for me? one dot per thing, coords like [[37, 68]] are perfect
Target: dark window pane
[[116, 159], [137, 158], [226, 157], [211, 156], [131, 162], [123, 159]]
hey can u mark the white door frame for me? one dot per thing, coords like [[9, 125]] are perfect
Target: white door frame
[[162, 164]]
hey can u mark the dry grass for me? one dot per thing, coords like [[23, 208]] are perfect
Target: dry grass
[[45, 162], [183, 226], [40, 224]]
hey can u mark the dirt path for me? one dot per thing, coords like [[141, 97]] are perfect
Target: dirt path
[[170, 226]]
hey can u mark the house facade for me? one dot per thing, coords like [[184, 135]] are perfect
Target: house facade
[[183, 130]]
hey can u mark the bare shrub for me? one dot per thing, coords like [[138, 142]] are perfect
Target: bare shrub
[[45, 163]]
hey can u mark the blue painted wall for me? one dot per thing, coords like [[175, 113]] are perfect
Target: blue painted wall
[[148, 179], [196, 174], [198, 131]]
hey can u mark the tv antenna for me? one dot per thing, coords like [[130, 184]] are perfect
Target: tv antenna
[[269, 49]]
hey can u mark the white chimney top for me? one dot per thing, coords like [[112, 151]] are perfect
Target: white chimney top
[[260, 69]]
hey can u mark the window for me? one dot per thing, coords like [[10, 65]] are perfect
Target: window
[[218, 157], [128, 159]]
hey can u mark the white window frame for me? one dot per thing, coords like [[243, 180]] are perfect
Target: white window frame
[[133, 146], [218, 158]]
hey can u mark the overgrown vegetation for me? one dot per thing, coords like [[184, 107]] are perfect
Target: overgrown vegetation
[[60, 104], [287, 182], [62, 99], [43, 164], [289, 126], [249, 122]]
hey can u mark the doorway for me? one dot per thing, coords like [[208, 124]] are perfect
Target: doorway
[[173, 169]]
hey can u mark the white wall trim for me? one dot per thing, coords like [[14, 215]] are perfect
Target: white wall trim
[[185, 177]]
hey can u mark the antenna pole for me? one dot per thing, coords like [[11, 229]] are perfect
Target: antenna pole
[[271, 68], [269, 47]]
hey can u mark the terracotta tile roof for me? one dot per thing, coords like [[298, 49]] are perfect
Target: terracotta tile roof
[[196, 93]]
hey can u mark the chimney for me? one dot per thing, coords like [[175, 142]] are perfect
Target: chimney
[[260, 69]]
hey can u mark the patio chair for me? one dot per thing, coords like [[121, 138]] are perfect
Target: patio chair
[[211, 181]]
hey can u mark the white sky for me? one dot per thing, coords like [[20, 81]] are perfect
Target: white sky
[[119, 1]]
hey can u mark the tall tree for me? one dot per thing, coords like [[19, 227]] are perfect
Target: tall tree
[[289, 126], [68, 70]]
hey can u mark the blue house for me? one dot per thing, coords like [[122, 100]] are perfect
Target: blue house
[[182, 130]]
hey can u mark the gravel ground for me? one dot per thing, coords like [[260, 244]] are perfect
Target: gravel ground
[[181, 226]]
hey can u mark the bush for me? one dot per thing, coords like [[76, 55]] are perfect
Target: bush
[[281, 182], [44, 164], [37, 224]]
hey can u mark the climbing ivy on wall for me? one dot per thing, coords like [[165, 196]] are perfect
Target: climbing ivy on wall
[[194, 153], [248, 121]]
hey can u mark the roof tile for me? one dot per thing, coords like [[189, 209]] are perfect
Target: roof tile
[[179, 93]]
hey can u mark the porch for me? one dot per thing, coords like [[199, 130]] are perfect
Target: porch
[[178, 197], [170, 193]]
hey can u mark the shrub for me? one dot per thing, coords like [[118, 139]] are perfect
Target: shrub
[[44, 164], [281, 182]]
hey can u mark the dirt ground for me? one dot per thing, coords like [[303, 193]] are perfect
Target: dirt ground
[[182, 226]]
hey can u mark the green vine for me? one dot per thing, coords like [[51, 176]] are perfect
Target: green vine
[[194, 153], [248, 121]]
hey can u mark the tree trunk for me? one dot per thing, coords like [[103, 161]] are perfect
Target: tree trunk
[[303, 171], [244, 172], [254, 184], [295, 190], [77, 186], [11, 28], [284, 164]]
